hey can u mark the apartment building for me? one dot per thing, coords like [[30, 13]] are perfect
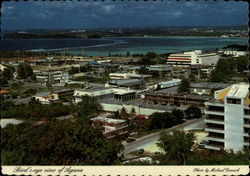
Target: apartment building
[[227, 118], [54, 78], [235, 53], [113, 128], [193, 58]]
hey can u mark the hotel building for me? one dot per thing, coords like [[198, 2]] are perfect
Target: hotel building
[[193, 58], [227, 118]]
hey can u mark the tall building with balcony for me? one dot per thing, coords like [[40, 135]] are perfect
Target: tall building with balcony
[[227, 118]]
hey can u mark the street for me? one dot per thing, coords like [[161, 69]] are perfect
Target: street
[[151, 138]]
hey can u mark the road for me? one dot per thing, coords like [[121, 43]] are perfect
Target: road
[[153, 137]]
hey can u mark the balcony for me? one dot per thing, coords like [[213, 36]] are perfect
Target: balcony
[[213, 147], [247, 125], [214, 129], [215, 138], [214, 112], [215, 121]]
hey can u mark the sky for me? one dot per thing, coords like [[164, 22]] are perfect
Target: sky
[[22, 15]]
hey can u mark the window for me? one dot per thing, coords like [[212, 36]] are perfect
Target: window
[[233, 101], [197, 61]]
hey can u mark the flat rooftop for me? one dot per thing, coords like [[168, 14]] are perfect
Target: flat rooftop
[[239, 90], [209, 85], [108, 120], [142, 104], [93, 89]]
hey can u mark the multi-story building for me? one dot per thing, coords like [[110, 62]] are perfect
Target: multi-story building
[[113, 128], [175, 99], [235, 53], [206, 88], [167, 84], [98, 92], [162, 67], [227, 118], [55, 78], [193, 58]]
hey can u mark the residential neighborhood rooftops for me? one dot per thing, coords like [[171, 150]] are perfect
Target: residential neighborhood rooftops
[[43, 94]]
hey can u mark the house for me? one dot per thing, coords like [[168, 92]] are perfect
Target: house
[[206, 88], [46, 97], [113, 128]]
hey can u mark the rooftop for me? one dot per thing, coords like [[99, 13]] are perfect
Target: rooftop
[[141, 103], [42, 94], [108, 120], [239, 90], [210, 85], [93, 89]]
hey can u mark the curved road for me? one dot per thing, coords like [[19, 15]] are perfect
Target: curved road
[[153, 137]]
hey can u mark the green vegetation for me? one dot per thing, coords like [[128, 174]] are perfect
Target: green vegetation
[[193, 112], [178, 151], [184, 86], [33, 111], [74, 70], [25, 71], [102, 79], [57, 143], [177, 145], [6, 75], [226, 69]]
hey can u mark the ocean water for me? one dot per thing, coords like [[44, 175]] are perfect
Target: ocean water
[[121, 45]]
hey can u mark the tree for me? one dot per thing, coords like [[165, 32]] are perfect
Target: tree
[[192, 77], [7, 74], [25, 71], [57, 143], [21, 71], [89, 106], [242, 63], [193, 112], [184, 86], [177, 145], [178, 115]]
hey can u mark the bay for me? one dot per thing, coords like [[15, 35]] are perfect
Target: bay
[[121, 45]]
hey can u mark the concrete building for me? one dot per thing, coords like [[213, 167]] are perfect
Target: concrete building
[[167, 84], [206, 88], [129, 75], [160, 67], [113, 128], [55, 78], [46, 97], [141, 107], [98, 92], [193, 58], [124, 95], [227, 118], [126, 83], [235, 53], [175, 99]]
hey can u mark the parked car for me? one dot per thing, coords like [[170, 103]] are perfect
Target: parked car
[[130, 140], [141, 151]]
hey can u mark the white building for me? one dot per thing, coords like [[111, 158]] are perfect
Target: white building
[[193, 58], [46, 97], [162, 67], [55, 78], [167, 84], [128, 75], [235, 53], [227, 118], [95, 92]]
